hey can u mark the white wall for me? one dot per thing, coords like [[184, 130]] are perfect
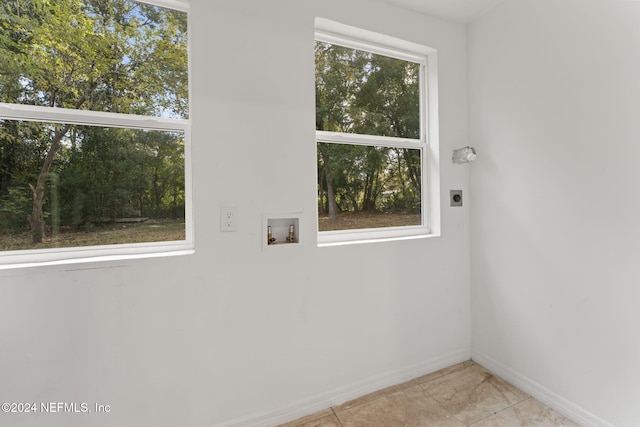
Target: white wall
[[233, 331], [554, 103]]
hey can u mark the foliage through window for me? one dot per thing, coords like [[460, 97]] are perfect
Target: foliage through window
[[370, 136], [94, 127]]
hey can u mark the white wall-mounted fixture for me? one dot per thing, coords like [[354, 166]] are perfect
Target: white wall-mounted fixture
[[456, 197], [464, 155], [281, 230]]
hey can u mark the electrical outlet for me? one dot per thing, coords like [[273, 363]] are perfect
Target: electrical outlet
[[456, 197], [228, 219]]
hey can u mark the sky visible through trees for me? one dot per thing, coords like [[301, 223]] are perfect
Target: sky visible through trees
[[112, 56]]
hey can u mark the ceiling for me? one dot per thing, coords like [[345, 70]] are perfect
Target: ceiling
[[461, 11]]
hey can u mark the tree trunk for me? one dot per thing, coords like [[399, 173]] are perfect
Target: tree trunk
[[331, 199], [322, 206], [414, 172], [368, 200], [331, 196], [37, 217]]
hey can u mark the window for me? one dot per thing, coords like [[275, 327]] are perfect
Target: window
[[374, 148], [94, 129]]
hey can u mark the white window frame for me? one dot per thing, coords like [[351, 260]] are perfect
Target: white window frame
[[115, 252], [355, 38]]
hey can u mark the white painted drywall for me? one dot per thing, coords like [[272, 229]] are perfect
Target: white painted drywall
[[234, 331], [462, 11], [554, 107]]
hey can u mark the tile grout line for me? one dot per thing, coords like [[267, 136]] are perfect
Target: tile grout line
[[414, 383], [497, 412], [448, 412], [382, 395], [483, 418], [428, 388], [337, 417]]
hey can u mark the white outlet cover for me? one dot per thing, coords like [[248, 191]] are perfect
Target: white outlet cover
[[228, 219]]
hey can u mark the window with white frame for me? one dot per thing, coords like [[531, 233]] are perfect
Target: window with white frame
[[374, 148], [94, 129]]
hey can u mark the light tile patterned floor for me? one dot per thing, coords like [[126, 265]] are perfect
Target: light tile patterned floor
[[461, 395]]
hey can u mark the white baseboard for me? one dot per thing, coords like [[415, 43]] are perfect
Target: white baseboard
[[340, 395], [544, 395]]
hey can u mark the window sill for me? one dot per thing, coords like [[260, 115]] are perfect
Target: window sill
[[357, 237], [52, 257]]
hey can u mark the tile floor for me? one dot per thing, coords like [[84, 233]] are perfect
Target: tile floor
[[465, 394]]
